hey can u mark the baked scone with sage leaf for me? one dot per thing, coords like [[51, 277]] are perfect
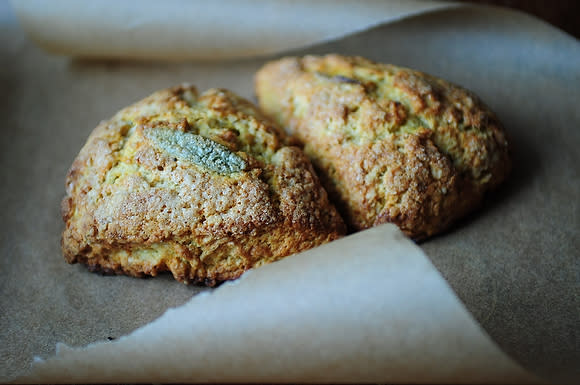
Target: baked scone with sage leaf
[[202, 186], [390, 144]]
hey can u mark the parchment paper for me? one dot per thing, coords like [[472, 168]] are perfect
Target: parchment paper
[[514, 264], [186, 29], [337, 313]]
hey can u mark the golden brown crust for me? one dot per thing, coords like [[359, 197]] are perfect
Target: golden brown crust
[[390, 144], [138, 203]]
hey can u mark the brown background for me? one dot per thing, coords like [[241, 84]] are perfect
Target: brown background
[[565, 14]]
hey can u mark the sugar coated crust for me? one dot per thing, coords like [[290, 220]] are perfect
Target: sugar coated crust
[[205, 187], [390, 144]]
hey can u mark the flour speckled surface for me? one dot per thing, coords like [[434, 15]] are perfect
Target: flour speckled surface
[[391, 144], [204, 187]]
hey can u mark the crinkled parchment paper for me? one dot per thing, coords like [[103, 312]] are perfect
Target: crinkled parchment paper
[[496, 299]]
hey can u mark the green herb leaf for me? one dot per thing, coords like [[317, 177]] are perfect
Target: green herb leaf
[[196, 149]]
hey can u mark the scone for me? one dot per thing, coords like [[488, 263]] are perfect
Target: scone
[[390, 144], [204, 187]]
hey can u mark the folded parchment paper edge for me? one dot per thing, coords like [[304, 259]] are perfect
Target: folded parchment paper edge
[[307, 318], [186, 30]]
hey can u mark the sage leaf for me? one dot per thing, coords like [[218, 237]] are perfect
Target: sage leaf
[[196, 149]]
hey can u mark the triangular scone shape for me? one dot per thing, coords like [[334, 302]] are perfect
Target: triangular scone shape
[[205, 187], [390, 144]]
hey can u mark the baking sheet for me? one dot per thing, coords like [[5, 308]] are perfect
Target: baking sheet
[[514, 264]]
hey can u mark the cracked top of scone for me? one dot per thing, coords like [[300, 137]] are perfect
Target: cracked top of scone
[[205, 187], [390, 144]]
